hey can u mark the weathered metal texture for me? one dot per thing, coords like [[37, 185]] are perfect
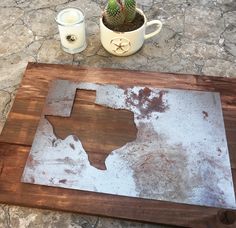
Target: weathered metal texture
[[60, 98], [180, 153]]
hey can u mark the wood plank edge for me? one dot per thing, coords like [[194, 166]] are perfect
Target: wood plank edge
[[33, 65]]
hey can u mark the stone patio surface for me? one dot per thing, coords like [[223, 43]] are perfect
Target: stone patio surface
[[198, 37]]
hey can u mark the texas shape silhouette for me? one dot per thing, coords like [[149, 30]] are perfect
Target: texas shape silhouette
[[100, 129]]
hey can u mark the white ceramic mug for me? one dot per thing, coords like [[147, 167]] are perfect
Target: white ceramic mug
[[127, 43]]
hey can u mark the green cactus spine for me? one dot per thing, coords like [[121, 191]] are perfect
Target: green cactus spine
[[114, 13], [130, 10], [117, 12]]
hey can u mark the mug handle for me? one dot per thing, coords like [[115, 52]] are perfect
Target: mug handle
[[154, 22]]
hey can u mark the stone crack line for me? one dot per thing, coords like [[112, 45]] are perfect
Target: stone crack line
[[16, 20], [3, 115], [7, 216], [87, 224], [13, 87], [96, 223], [25, 7]]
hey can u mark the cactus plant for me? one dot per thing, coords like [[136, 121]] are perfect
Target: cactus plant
[[130, 10], [118, 12]]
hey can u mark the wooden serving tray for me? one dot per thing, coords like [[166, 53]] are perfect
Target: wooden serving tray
[[18, 133]]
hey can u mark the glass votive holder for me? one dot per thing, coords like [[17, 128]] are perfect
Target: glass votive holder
[[71, 27]]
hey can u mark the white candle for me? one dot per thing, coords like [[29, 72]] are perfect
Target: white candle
[[72, 30]]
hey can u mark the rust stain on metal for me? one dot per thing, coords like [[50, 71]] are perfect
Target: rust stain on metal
[[31, 162], [145, 102], [205, 114], [69, 171], [63, 181], [75, 138], [176, 155], [67, 161], [164, 164], [72, 146], [51, 180], [54, 142], [32, 179], [219, 151]]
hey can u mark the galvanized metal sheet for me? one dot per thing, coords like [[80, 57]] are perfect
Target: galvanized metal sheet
[[180, 153]]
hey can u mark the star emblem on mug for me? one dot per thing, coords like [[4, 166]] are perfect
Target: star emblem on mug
[[120, 45]]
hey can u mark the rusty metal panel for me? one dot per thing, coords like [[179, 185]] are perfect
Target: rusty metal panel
[[180, 153], [60, 98]]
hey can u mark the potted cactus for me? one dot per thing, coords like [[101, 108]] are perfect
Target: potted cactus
[[122, 27]]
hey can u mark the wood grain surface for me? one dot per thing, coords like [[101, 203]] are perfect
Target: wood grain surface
[[18, 134]]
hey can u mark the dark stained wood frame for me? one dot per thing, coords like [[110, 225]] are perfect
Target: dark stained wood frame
[[18, 134]]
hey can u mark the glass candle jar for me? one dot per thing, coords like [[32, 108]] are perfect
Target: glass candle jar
[[72, 30]]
